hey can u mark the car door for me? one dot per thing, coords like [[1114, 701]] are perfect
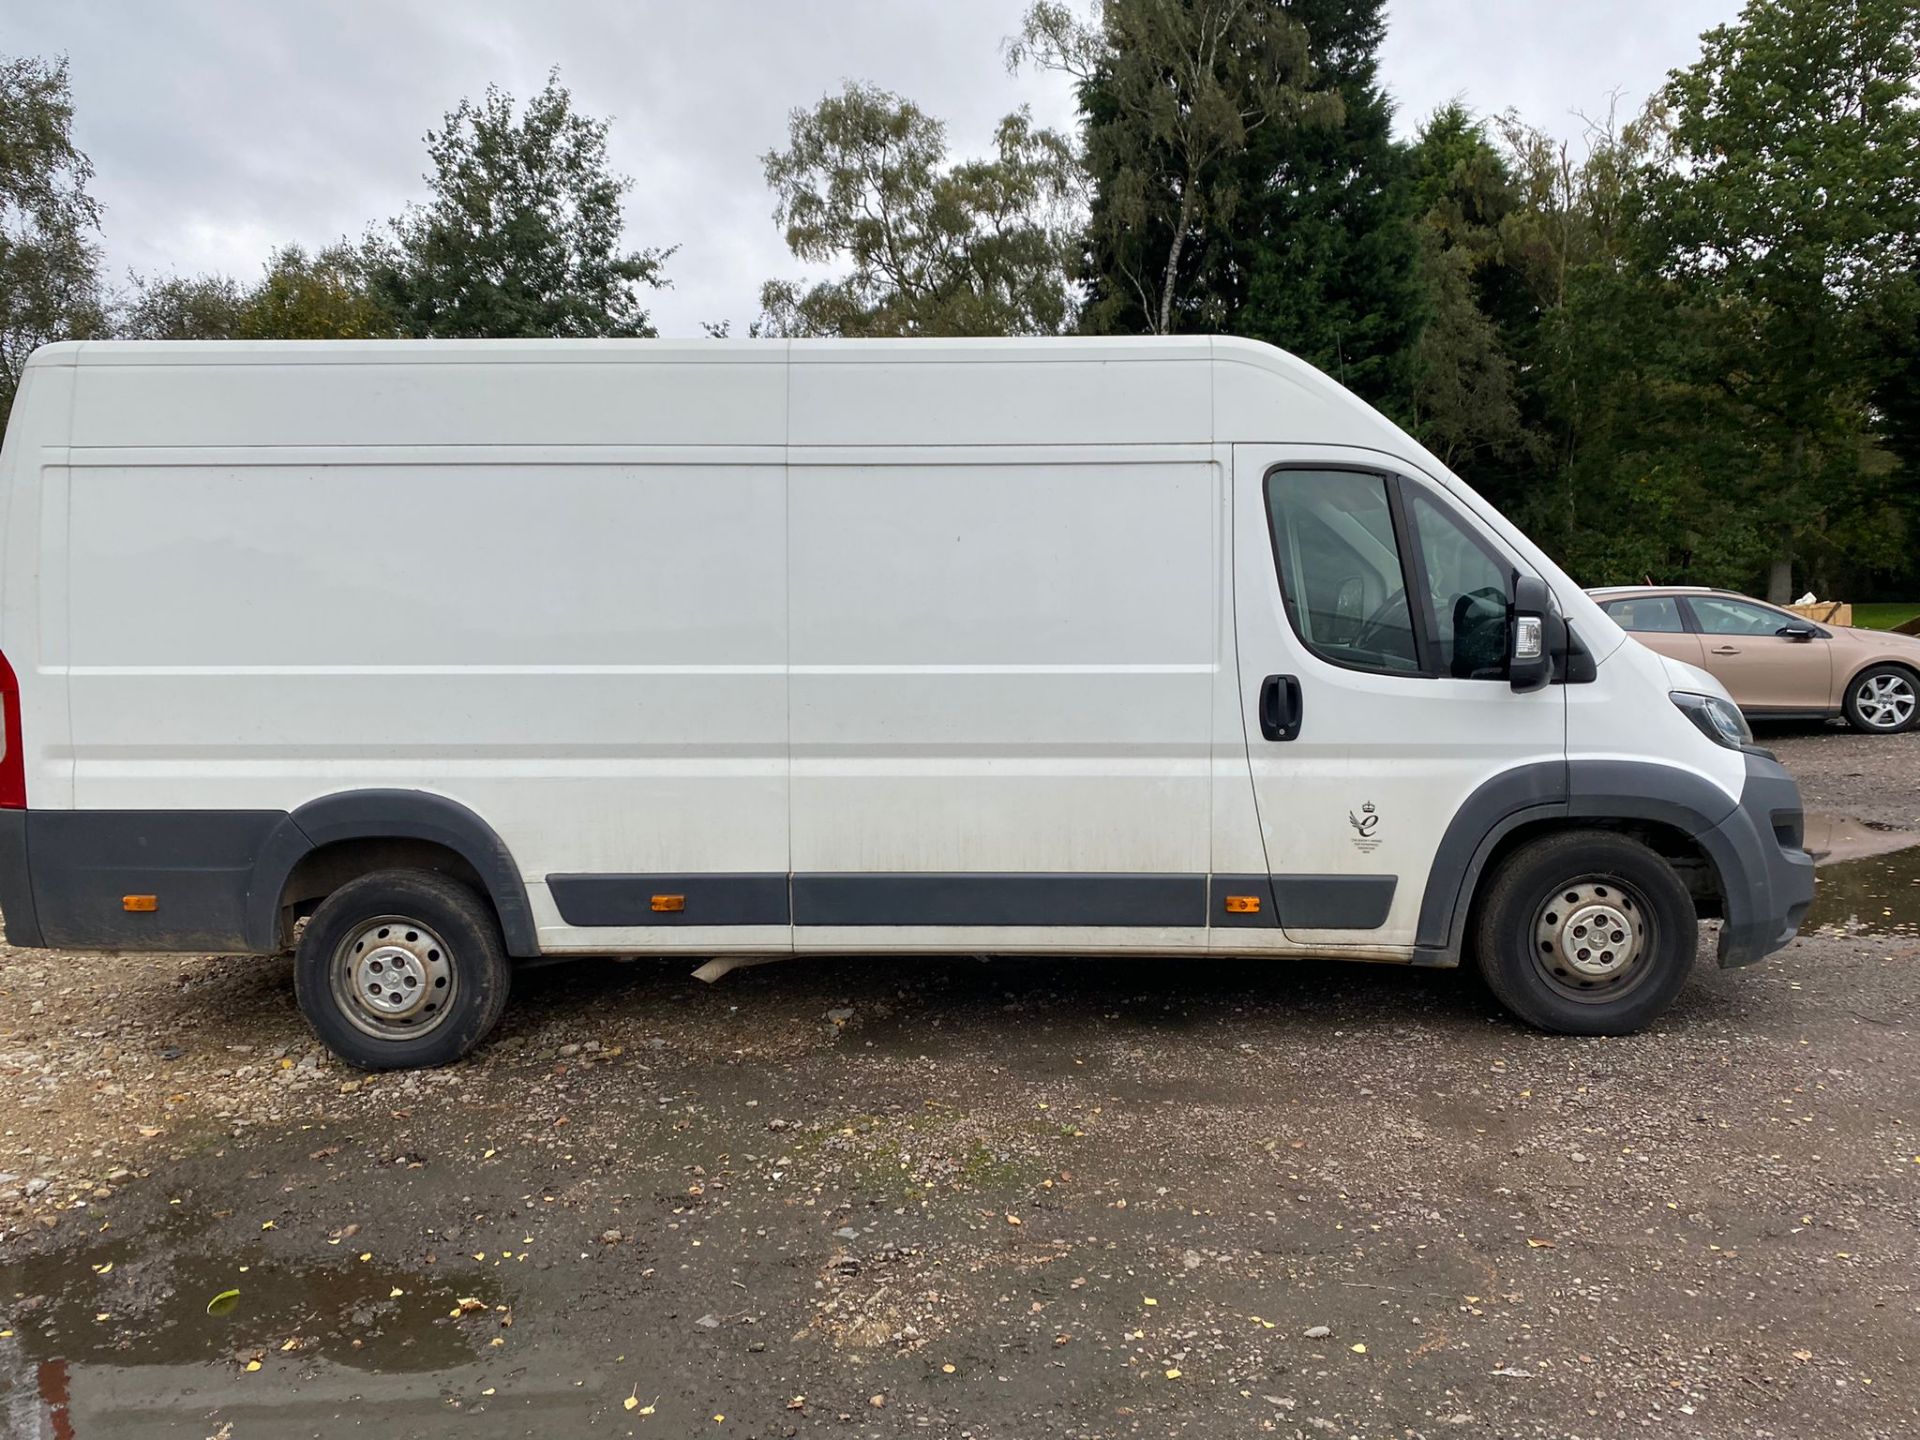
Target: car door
[[1374, 613], [1746, 647], [1657, 623]]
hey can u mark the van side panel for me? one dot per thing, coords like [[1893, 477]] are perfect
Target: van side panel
[[1002, 690], [587, 652]]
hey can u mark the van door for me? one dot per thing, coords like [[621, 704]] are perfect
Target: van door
[[1371, 616], [1003, 673]]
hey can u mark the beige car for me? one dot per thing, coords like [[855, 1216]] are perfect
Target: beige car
[[1776, 664]]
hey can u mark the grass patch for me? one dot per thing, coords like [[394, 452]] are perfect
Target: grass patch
[[1885, 614]]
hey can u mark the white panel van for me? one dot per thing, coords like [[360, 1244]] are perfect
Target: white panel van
[[425, 658]]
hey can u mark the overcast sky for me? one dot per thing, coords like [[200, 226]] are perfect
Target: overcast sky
[[221, 128]]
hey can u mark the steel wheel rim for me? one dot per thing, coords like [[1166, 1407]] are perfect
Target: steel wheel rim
[[1593, 939], [393, 978], [1885, 702]]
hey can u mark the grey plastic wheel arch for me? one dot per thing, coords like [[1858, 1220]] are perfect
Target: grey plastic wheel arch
[[385, 815], [1605, 790]]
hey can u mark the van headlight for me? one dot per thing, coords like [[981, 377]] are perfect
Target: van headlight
[[1717, 719]]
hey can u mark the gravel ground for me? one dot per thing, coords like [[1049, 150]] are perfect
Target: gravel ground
[[1870, 777], [990, 1199]]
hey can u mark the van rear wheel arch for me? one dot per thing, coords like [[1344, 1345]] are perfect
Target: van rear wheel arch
[[329, 842]]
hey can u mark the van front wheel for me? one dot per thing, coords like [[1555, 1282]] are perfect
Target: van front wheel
[[401, 969], [1586, 933]]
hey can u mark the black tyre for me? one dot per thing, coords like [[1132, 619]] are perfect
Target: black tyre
[[1586, 933], [401, 969], [1883, 700]]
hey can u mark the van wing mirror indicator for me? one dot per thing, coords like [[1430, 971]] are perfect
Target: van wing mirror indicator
[[1531, 634]]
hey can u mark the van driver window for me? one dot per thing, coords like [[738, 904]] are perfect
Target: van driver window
[[1342, 577], [1469, 590]]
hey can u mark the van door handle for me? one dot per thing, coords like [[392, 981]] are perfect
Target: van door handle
[[1280, 707]]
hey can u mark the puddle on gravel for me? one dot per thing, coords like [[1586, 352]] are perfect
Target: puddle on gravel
[[112, 1308], [1879, 895], [1833, 839]]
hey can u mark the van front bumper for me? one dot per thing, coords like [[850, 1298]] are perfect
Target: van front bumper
[[1766, 875]]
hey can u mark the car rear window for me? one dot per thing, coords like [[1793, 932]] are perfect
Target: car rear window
[[1657, 614]]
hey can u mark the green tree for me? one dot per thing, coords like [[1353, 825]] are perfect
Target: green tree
[[1171, 94], [1323, 240], [322, 296], [929, 246], [1789, 224], [50, 285], [194, 307], [1465, 396], [522, 235]]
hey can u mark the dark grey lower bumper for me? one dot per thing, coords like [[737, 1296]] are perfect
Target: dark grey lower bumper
[[1766, 876], [65, 873], [16, 889]]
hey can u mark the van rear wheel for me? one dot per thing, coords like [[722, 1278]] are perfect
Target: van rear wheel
[[1587, 932], [401, 969]]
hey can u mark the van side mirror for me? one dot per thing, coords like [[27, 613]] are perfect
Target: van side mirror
[[1529, 643]]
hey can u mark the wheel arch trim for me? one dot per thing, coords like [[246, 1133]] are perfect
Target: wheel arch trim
[[384, 815], [1556, 790]]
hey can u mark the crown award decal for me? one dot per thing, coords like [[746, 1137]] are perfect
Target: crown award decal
[[1364, 825]]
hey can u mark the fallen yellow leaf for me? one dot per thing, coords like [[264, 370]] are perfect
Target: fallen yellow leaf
[[1533, 1244], [1173, 1374], [1358, 1349], [268, 1225], [252, 1365], [395, 1293]]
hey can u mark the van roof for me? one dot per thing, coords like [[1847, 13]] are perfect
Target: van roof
[[1017, 391]]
